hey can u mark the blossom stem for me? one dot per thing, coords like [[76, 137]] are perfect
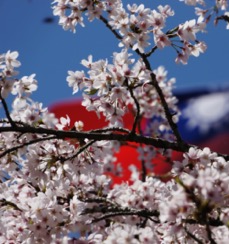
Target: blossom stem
[[7, 111]]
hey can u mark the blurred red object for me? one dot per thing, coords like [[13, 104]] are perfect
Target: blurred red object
[[127, 154]]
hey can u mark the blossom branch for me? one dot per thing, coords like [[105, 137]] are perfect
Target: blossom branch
[[192, 236], [169, 116], [153, 81], [209, 234], [139, 213], [7, 111], [151, 51], [222, 17], [144, 170], [60, 134], [170, 34], [119, 129], [81, 149], [4, 202], [211, 222], [137, 116], [24, 144], [104, 20], [44, 193]]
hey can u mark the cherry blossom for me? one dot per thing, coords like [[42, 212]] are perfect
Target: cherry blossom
[[193, 2], [75, 79], [11, 60], [55, 176]]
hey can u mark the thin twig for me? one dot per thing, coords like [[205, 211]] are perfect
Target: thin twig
[[4, 202], [136, 119], [211, 221], [7, 111], [144, 171], [12, 149], [104, 20], [151, 51], [140, 213], [163, 101], [193, 236], [209, 234], [81, 149]]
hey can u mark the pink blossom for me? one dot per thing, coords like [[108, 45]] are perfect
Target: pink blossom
[[75, 80], [160, 39], [11, 60]]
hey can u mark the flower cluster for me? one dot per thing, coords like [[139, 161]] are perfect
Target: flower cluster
[[195, 198], [187, 32], [134, 26], [207, 12], [112, 89], [221, 4], [137, 25], [51, 187], [8, 62], [41, 185], [53, 177], [21, 88]]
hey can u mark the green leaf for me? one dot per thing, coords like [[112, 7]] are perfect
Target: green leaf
[[92, 92]]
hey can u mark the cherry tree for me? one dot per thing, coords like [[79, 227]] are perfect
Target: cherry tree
[[53, 175]]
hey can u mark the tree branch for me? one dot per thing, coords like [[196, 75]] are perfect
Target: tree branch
[[80, 150], [153, 79], [104, 20], [119, 129], [163, 101], [7, 111], [136, 119], [128, 212], [12, 149], [192, 236], [61, 134]]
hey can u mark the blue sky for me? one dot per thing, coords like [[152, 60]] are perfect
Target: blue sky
[[49, 51]]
